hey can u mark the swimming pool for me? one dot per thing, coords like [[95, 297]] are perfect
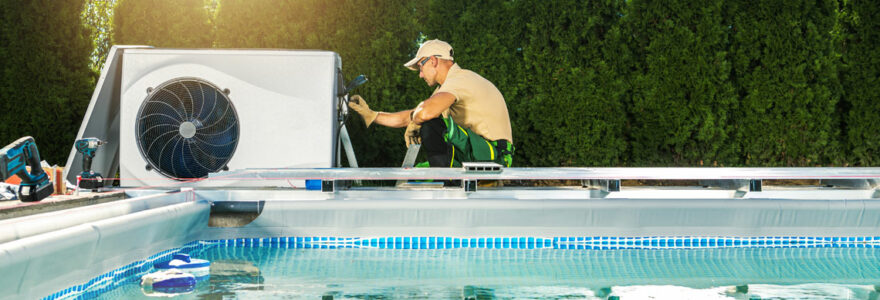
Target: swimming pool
[[503, 268], [506, 243]]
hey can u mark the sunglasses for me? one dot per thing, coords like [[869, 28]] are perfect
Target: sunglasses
[[424, 61]]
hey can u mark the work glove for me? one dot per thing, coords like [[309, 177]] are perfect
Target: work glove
[[413, 134], [358, 104]]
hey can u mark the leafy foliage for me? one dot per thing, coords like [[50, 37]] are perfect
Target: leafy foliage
[[860, 77], [45, 78], [98, 15], [574, 104], [681, 97], [163, 23], [785, 73]]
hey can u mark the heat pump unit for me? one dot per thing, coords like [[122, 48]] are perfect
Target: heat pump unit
[[187, 113]]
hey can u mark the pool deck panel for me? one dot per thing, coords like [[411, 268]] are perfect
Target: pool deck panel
[[15, 208]]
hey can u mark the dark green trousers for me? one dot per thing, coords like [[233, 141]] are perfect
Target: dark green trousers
[[448, 145]]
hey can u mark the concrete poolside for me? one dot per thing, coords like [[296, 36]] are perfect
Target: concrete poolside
[[15, 208]]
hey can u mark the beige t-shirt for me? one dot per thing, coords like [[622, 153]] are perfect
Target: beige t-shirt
[[478, 104]]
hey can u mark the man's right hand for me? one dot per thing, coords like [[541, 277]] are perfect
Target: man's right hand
[[358, 104], [412, 134]]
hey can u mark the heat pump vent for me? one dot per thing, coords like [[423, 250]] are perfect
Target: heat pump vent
[[187, 128]]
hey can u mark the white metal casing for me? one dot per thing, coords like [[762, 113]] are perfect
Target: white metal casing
[[285, 102]]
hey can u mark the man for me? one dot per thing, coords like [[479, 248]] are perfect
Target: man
[[464, 120]]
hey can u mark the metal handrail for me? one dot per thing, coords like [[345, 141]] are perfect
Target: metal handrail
[[708, 173]]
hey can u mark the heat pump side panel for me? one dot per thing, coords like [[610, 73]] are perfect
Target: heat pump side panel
[[101, 120]]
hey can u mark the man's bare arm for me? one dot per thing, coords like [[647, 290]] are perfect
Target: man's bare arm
[[433, 107], [395, 120]]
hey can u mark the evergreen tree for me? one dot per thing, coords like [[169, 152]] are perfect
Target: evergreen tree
[[45, 79], [682, 96], [575, 111], [860, 77], [98, 15], [163, 23], [784, 67]]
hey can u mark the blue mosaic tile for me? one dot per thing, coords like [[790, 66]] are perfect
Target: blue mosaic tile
[[131, 272]]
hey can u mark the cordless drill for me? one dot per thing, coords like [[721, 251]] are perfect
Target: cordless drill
[[14, 160], [89, 179]]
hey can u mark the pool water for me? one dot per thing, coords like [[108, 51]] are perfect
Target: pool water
[[272, 272]]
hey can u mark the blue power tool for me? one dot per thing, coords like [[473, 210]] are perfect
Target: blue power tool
[[35, 185], [88, 147]]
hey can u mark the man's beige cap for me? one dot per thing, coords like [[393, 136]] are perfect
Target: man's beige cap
[[431, 48]]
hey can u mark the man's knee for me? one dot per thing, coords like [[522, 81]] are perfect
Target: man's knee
[[434, 144], [433, 127], [433, 132]]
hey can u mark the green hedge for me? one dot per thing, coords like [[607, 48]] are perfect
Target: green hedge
[[163, 23], [681, 96], [98, 15], [860, 76], [45, 78], [573, 109], [784, 70], [588, 83]]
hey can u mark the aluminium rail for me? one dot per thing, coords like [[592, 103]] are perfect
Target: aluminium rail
[[552, 173], [605, 178]]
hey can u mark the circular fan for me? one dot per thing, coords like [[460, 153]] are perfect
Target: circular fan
[[187, 128]]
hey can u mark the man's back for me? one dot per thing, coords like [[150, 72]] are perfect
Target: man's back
[[478, 105]]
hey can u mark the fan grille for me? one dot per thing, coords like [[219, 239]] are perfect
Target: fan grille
[[187, 128]]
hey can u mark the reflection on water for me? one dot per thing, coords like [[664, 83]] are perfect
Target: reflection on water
[[279, 273], [229, 276]]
